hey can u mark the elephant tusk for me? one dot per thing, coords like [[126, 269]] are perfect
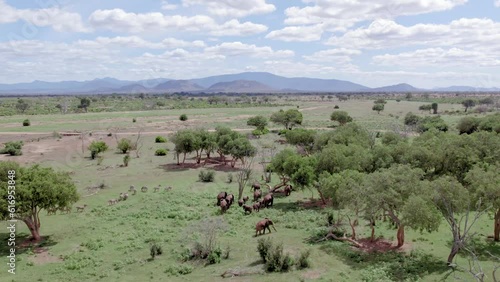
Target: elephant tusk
[[275, 228]]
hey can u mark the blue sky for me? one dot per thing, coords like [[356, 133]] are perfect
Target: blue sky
[[427, 43]]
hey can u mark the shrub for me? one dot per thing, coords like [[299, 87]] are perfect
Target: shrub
[[134, 120], [155, 250], [230, 178], [303, 259], [468, 125], [160, 139], [161, 152], [110, 134], [277, 261], [183, 117], [182, 269], [13, 148], [215, 256], [124, 145], [263, 247], [26, 122], [126, 160], [206, 176], [336, 107], [97, 147]]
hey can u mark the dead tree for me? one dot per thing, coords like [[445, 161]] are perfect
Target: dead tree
[[243, 176]]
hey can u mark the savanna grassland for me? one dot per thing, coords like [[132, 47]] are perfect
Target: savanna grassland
[[112, 242]]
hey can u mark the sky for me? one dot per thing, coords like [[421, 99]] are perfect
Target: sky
[[426, 43]]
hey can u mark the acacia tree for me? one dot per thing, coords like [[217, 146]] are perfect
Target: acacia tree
[[304, 138], [22, 105], [378, 108], [260, 122], [239, 149], [84, 103], [484, 181], [289, 118], [400, 192], [454, 203], [342, 117], [36, 189], [185, 142], [469, 103]]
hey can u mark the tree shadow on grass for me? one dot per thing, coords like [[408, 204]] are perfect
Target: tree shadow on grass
[[255, 263], [400, 266], [484, 248], [23, 243]]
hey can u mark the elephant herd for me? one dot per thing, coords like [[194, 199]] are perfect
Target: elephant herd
[[225, 200]]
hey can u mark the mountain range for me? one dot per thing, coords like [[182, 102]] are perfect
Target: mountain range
[[247, 82]]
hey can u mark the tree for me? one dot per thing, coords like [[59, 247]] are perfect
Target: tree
[[289, 118], [338, 157], [36, 188], [124, 145], [22, 105], [303, 138], [400, 192], [185, 141], [469, 103], [426, 107], [432, 122], [411, 119], [243, 176], [239, 149], [342, 117], [260, 122], [454, 203], [84, 103], [434, 107], [468, 125], [483, 181], [97, 147], [378, 108]]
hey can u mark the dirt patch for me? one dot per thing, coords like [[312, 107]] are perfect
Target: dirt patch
[[381, 245], [312, 275], [42, 256]]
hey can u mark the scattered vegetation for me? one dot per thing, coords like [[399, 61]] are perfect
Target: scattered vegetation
[[206, 176]]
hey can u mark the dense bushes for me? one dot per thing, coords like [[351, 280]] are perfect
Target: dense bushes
[[276, 260], [13, 148], [206, 176]]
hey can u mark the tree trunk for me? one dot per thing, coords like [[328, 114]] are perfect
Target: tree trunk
[[34, 227], [178, 158], [401, 236], [372, 226], [184, 159], [353, 235], [321, 196], [454, 251], [497, 226]]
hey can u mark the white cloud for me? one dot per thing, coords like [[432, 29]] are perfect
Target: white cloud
[[339, 56], [241, 49], [59, 20], [297, 33], [167, 6], [119, 20], [233, 8], [497, 3], [137, 42], [338, 15], [438, 58], [380, 34]]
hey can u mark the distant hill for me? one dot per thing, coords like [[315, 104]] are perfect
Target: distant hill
[[245, 82], [402, 87], [238, 86], [178, 86], [280, 82]]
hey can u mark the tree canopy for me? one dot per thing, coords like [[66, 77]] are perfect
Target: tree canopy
[[288, 118]]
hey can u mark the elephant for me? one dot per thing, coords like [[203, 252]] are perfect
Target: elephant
[[247, 209], [256, 195], [245, 199], [240, 203], [222, 195], [223, 206], [268, 200], [262, 225], [230, 199], [256, 206], [288, 190], [255, 186]]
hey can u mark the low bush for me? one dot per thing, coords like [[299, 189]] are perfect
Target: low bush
[[263, 247], [124, 145], [160, 139], [215, 256], [13, 148], [303, 259], [161, 152], [183, 117], [230, 178], [26, 122], [176, 270], [206, 176]]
